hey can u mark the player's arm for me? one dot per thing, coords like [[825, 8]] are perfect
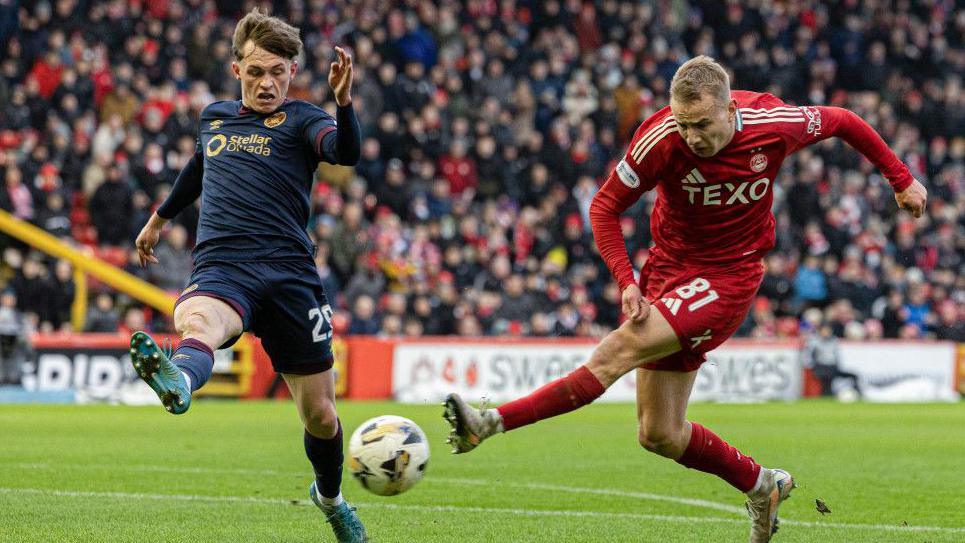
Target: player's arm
[[824, 122], [622, 188], [186, 189], [341, 145]]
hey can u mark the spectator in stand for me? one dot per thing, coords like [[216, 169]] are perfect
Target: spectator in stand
[[174, 260], [486, 119], [16, 198], [110, 209], [62, 296], [32, 289], [349, 239], [810, 284], [364, 319], [951, 321], [102, 316], [459, 169], [54, 217], [327, 275], [14, 340], [133, 321], [822, 355]]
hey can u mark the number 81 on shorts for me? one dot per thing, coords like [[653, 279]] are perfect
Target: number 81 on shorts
[[698, 291]]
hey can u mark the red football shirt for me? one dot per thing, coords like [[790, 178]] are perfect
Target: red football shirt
[[717, 210]]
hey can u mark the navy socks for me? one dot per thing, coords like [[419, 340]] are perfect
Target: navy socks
[[196, 360], [326, 457]]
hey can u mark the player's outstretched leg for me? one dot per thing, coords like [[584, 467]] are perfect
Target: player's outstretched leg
[[471, 426], [763, 503], [345, 523], [154, 366], [627, 347]]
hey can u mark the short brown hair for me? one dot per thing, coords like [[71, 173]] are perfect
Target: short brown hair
[[270, 33], [698, 76]]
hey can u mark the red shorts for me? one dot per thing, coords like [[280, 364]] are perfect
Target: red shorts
[[704, 305]]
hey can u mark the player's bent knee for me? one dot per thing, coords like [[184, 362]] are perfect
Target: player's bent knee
[[659, 440], [193, 323], [206, 320], [199, 326]]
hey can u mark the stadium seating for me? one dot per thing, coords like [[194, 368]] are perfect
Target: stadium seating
[[481, 155]]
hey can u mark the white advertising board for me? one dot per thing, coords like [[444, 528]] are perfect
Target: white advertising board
[[426, 372], [899, 372]]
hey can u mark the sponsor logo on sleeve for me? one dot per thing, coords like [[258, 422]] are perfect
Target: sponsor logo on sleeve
[[627, 176], [814, 120]]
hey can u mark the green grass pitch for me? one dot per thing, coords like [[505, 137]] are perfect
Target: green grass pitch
[[230, 471]]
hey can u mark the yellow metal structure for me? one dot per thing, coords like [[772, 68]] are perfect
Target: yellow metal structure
[[90, 264], [84, 263], [78, 310]]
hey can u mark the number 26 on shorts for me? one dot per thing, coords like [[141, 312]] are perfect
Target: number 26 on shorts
[[686, 292]]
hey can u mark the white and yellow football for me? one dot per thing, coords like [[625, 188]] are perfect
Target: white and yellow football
[[388, 454]]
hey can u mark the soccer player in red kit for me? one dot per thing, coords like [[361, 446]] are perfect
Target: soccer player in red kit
[[712, 156]]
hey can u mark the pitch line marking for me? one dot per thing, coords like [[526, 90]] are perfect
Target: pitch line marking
[[695, 502], [599, 491], [464, 509]]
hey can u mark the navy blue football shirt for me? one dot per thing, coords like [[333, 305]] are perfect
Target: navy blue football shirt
[[254, 174]]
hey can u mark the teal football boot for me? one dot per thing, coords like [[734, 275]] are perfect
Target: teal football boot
[[345, 523], [154, 366]]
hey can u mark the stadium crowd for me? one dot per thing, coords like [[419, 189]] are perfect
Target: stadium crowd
[[488, 126]]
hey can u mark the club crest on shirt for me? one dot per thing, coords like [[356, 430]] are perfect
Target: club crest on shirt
[[276, 119], [759, 162]]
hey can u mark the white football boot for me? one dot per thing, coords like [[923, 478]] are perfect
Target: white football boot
[[762, 505], [470, 426]]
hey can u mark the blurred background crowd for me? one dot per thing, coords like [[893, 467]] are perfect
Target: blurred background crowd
[[488, 126]]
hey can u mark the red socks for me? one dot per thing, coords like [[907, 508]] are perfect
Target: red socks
[[561, 396], [709, 453]]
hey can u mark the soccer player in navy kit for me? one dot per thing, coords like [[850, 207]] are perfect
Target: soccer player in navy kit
[[254, 269]]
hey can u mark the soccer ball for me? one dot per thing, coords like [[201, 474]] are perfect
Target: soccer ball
[[388, 454]]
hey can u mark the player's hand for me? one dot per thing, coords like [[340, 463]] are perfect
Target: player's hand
[[913, 199], [635, 306], [147, 239], [340, 77]]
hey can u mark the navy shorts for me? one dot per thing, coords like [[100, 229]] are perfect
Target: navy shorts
[[281, 302]]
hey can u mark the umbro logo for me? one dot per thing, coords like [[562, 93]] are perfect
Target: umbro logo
[[694, 177]]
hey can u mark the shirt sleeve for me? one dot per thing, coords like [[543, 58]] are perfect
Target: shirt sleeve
[[824, 122], [338, 140], [624, 186], [187, 187]]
